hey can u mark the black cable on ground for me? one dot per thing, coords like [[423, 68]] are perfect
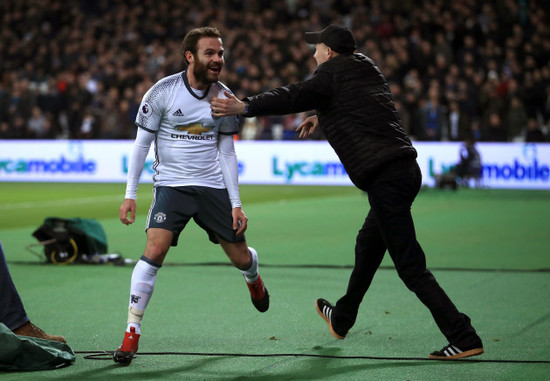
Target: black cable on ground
[[320, 266], [108, 355], [304, 266]]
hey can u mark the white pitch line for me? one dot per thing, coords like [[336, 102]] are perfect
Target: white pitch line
[[67, 202]]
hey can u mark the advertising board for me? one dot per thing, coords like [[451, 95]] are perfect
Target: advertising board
[[505, 165]]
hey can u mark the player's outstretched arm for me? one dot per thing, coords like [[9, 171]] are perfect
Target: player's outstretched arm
[[229, 106]]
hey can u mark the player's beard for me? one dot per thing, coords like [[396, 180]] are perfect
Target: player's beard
[[202, 75]]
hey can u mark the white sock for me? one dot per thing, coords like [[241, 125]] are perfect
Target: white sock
[[251, 274], [141, 290]]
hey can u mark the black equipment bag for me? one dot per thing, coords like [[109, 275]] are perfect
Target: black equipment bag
[[67, 240]]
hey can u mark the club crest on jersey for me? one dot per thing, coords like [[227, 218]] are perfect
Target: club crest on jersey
[[159, 217], [193, 129], [145, 109]]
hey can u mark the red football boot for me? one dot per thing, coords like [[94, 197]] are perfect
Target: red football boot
[[259, 295], [127, 350]]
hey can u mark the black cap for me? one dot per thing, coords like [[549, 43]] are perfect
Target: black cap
[[336, 37]]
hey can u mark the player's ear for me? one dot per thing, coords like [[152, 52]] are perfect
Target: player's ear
[[189, 56]]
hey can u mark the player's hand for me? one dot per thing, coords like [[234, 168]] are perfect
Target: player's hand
[[229, 106], [128, 206], [308, 126], [240, 221]]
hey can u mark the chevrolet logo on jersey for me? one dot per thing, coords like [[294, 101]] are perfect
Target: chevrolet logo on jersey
[[194, 129]]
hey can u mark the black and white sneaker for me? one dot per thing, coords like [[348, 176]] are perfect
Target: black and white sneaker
[[324, 309], [452, 352]]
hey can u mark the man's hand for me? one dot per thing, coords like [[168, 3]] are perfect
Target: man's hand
[[225, 107], [240, 221], [128, 205], [308, 126]]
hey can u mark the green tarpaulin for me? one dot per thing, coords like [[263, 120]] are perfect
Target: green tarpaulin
[[31, 353]]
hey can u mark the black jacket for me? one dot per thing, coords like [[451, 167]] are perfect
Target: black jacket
[[355, 110]]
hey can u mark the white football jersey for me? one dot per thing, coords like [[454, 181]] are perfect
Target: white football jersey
[[186, 134]]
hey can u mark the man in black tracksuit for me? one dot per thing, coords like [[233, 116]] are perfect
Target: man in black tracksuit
[[356, 112]]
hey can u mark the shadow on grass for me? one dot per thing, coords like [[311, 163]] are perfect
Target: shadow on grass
[[142, 370], [299, 367], [317, 368]]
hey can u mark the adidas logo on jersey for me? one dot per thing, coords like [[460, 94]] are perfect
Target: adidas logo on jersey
[[178, 113]]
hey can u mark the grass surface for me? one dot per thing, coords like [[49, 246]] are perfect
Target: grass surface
[[485, 247]]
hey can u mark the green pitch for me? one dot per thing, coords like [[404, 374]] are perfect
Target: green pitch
[[487, 248]]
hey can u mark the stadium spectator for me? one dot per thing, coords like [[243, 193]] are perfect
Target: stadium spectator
[[354, 108], [38, 125], [434, 116], [71, 48], [495, 131], [534, 133], [459, 122], [516, 119]]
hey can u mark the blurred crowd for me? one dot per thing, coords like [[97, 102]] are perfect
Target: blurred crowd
[[74, 69]]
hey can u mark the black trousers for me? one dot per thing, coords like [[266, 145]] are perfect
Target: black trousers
[[12, 312], [389, 226]]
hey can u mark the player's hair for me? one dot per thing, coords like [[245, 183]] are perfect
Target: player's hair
[[191, 39]]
